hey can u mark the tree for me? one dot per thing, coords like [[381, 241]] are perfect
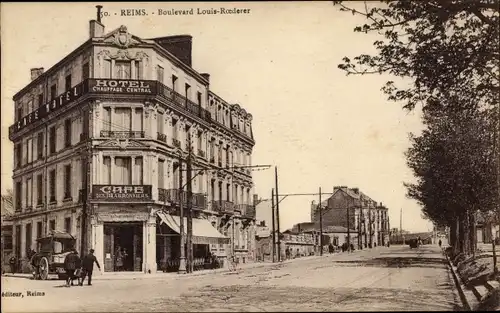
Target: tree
[[448, 48], [453, 161]]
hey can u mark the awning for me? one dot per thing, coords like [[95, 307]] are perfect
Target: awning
[[203, 231]]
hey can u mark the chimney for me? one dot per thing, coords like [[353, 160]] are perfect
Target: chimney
[[35, 72], [96, 28], [206, 76]]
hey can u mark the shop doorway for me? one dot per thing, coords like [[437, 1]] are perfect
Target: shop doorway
[[123, 247]]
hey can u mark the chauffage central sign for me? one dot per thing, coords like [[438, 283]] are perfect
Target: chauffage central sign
[[94, 86], [122, 86], [122, 192]]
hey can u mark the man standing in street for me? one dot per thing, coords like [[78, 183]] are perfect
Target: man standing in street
[[88, 267], [72, 262]]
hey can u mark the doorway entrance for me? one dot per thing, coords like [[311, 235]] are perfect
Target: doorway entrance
[[122, 247]]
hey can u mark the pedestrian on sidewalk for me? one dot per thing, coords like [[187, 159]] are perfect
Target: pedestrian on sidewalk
[[88, 267], [440, 243], [72, 262]]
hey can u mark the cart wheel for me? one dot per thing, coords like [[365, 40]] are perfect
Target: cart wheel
[[44, 268]]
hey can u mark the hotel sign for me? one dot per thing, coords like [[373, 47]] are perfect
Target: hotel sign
[[94, 86], [122, 193], [122, 86]]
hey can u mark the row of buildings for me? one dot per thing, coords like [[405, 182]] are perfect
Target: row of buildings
[[347, 213], [97, 143]]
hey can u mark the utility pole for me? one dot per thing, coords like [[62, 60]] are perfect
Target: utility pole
[[348, 229], [401, 225], [277, 212], [189, 212], [274, 225], [359, 231], [320, 224], [182, 258], [370, 224]]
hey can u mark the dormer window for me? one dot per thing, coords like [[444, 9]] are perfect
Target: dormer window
[[122, 70]]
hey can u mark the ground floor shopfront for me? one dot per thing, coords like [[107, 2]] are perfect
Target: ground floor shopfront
[[146, 238]]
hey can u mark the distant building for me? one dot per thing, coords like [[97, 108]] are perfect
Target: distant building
[[369, 219]]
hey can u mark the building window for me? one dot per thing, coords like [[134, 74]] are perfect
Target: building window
[[19, 112], [39, 189], [107, 170], [198, 98], [52, 182], [52, 140], [39, 230], [161, 173], [39, 146], [67, 181], [67, 132], [138, 71], [160, 74], [212, 149], [138, 171], [85, 71], [29, 192], [122, 119], [67, 83], [18, 155], [106, 119], [40, 100], [29, 150], [52, 225], [187, 90], [29, 238], [30, 106], [19, 192], [200, 141], [159, 123], [53, 92], [174, 129], [122, 70], [174, 82], [123, 171], [67, 225]]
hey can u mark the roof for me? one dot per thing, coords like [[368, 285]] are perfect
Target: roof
[[58, 234]]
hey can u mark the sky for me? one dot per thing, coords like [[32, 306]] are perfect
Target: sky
[[319, 127]]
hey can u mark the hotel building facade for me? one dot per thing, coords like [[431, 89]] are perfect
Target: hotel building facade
[[98, 138]]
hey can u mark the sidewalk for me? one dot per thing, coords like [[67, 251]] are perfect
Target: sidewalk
[[241, 267]]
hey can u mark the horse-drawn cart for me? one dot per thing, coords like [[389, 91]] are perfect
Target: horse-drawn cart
[[50, 255]]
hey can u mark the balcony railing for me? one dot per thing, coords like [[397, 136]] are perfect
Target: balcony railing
[[155, 87], [222, 206], [122, 134], [247, 210], [172, 195], [176, 142], [161, 137]]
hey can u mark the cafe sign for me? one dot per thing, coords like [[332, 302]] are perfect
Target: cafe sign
[[122, 86], [122, 193]]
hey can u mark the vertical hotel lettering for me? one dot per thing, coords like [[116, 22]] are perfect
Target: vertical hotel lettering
[[54, 105]]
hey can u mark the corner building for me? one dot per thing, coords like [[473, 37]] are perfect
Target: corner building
[[98, 138]]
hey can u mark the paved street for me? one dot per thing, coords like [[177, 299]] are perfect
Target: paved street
[[396, 278]]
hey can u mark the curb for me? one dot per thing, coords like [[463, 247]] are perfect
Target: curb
[[471, 297], [460, 286]]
